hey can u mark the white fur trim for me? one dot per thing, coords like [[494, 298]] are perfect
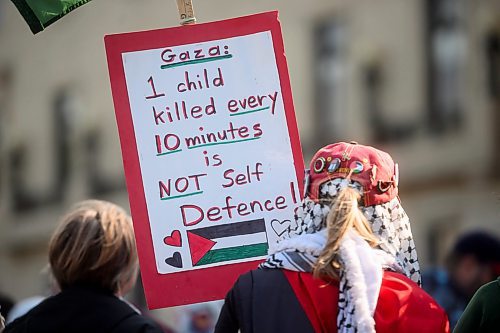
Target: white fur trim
[[363, 269], [305, 243]]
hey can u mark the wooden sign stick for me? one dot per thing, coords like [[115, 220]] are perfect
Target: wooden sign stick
[[186, 12]]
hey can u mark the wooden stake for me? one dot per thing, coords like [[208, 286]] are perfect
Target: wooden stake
[[186, 11]]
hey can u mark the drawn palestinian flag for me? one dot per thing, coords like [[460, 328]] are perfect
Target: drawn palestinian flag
[[227, 242]]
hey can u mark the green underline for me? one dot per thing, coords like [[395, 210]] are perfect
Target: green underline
[[196, 61], [169, 152], [251, 111], [182, 195], [223, 143]]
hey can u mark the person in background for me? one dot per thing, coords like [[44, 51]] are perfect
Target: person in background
[[2, 323], [473, 261], [6, 304], [482, 314], [21, 307], [93, 258], [348, 265], [200, 319]]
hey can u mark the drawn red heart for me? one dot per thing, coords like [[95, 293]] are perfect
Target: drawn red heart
[[174, 239]]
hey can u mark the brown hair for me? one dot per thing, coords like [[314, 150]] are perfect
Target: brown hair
[[94, 245], [344, 215]]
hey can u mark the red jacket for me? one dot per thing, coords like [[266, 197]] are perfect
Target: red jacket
[[275, 301], [402, 306]]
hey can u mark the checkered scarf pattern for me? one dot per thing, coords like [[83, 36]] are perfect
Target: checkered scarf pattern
[[299, 248]]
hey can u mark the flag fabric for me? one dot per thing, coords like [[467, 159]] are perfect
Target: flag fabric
[[228, 242], [39, 14]]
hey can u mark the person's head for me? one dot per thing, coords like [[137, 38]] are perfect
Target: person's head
[[201, 318], [355, 187], [370, 168], [94, 246], [474, 261]]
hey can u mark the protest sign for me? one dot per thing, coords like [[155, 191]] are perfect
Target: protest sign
[[210, 149]]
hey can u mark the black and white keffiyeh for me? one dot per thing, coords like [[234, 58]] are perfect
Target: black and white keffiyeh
[[362, 266]]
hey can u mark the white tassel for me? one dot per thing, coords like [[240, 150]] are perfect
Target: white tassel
[[363, 271]]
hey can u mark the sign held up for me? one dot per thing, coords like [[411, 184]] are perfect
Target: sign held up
[[210, 148]]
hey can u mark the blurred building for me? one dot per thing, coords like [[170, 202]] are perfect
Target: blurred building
[[419, 78]]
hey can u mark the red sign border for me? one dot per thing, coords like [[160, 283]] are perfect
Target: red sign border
[[165, 290]]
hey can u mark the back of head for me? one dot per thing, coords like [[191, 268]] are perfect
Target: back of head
[[370, 167], [94, 246], [474, 260], [483, 246], [344, 215], [350, 178]]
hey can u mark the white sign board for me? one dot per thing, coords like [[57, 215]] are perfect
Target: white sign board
[[214, 159]]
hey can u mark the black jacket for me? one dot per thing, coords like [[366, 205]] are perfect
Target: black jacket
[[83, 310], [262, 301]]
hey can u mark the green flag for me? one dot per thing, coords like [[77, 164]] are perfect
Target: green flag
[[41, 13]]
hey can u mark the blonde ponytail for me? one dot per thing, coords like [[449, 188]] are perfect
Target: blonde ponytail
[[344, 215]]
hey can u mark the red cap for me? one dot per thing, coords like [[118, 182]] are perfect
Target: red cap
[[372, 168]]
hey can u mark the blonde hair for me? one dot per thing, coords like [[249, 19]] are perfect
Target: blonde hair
[[94, 245], [344, 215]]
